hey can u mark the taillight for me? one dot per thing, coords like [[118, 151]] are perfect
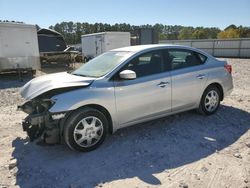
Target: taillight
[[228, 68]]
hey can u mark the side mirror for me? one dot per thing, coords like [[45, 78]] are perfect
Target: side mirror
[[127, 75]]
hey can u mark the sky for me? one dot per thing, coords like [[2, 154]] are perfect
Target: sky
[[209, 13]]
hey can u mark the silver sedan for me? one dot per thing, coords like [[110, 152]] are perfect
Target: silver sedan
[[120, 88]]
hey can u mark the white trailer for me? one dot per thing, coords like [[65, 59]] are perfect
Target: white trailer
[[98, 43], [18, 47]]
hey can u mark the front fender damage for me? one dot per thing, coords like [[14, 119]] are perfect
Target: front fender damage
[[40, 123]]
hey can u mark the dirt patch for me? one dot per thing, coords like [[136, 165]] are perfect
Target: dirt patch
[[183, 150]]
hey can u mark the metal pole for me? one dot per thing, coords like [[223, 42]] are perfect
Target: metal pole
[[240, 45], [213, 47]]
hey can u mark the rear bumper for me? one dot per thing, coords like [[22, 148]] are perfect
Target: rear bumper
[[228, 92], [227, 85]]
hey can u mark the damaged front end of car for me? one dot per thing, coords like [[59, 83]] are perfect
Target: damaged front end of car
[[40, 123], [40, 95]]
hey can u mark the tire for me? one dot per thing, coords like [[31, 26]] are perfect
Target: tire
[[33, 73], [210, 101], [85, 59], [85, 129]]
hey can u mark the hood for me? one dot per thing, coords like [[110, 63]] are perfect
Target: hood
[[42, 84]]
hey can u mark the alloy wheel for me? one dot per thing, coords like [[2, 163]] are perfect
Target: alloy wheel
[[88, 131], [211, 100]]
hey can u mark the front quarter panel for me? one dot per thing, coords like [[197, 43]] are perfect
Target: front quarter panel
[[100, 93]]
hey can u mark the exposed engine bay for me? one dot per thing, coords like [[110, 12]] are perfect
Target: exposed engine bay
[[40, 123]]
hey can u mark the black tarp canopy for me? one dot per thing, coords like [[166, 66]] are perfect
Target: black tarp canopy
[[50, 41]]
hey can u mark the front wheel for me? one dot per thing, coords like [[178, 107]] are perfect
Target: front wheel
[[210, 101], [85, 129]]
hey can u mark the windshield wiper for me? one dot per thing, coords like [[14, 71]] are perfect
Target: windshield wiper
[[79, 74], [82, 75]]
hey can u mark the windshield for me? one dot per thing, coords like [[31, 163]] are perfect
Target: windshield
[[102, 64]]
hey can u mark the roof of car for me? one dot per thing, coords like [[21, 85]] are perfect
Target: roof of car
[[139, 48]]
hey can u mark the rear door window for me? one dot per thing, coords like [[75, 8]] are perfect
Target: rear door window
[[185, 58]]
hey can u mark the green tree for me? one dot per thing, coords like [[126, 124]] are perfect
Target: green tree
[[199, 34], [229, 33], [72, 31], [244, 32], [212, 32], [186, 33], [232, 26]]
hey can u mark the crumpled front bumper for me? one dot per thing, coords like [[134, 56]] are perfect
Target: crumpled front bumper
[[34, 125], [42, 126]]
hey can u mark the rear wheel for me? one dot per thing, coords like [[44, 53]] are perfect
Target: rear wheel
[[210, 101], [85, 129]]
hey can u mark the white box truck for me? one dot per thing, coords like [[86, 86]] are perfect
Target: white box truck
[[98, 43], [18, 47]]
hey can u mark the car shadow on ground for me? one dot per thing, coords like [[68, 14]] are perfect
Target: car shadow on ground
[[138, 151]]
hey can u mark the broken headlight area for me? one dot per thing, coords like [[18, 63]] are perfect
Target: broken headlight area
[[36, 106], [39, 123]]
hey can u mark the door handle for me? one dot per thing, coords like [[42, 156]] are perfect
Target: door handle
[[200, 76], [163, 84]]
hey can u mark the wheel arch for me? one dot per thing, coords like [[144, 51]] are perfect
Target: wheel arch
[[105, 112], [97, 107], [219, 87]]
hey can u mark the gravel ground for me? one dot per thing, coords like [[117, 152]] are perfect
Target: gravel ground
[[183, 150]]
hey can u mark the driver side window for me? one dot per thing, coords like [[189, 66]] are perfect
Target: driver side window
[[146, 64]]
